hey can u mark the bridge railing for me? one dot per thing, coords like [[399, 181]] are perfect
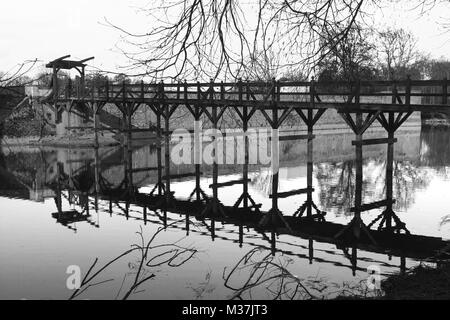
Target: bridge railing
[[407, 92]]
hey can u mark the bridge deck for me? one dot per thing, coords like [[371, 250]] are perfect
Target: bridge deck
[[398, 96]]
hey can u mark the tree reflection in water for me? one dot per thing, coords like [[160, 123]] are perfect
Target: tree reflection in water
[[150, 256], [336, 183], [259, 271]]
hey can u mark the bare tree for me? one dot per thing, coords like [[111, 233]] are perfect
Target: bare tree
[[348, 59], [398, 54], [212, 38], [17, 75]]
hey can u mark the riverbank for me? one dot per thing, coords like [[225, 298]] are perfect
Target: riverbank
[[420, 283], [79, 140]]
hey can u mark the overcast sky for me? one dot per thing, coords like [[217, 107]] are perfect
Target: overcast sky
[[47, 29]]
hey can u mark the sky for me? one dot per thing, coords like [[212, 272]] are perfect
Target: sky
[[48, 29]]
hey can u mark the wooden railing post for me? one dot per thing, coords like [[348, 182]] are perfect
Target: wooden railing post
[[199, 92], [394, 92], [142, 90], [222, 91], [240, 90], [93, 90], [312, 92], [185, 91], [124, 95], [247, 89], [444, 91], [107, 89], [274, 96], [408, 91], [358, 93]]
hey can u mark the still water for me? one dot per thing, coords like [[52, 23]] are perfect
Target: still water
[[68, 208]]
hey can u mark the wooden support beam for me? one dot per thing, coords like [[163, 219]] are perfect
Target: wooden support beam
[[402, 120], [252, 206], [181, 176], [371, 117], [135, 170], [79, 128], [296, 137], [369, 142], [302, 115], [172, 131], [140, 130], [371, 206], [444, 91], [229, 183], [318, 115], [269, 120], [349, 120], [291, 193], [383, 121], [285, 114]]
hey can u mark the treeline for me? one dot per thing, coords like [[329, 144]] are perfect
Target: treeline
[[389, 54]]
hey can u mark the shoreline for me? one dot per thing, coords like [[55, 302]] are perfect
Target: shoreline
[[108, 140], [85, 141]]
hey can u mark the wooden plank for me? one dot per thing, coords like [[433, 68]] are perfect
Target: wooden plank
[[369, 142], [373, 205], [181, 176], [80, 160], [78, 128], [229, 183], [295, 137], [134, 170], [253, 206], [140, 130], [292, 193]]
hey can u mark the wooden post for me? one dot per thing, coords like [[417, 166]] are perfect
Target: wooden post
[[312, 93], [83, 81], [145, 214], [309, 165], [408, 91], [166, 108], [107, 90], [359, 167], [358, 94], [444, 91], [96, 123], [215, 162], [275, 148], [158, 149], [97, 176], [394, 92], [197, 144], [55, 93], [389, 170], [246, 143], [92, 91]]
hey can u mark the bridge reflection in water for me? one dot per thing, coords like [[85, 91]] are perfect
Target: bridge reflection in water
[[138, 183]]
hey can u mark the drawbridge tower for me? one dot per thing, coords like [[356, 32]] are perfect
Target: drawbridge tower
[[59, 103]]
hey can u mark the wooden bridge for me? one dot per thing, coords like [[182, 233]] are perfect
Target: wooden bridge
[[360, 103]]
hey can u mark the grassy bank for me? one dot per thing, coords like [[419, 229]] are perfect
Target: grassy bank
[[420, 283], [82, 140]]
